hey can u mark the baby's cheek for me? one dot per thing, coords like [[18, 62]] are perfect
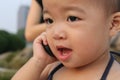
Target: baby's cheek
[[87, 51]]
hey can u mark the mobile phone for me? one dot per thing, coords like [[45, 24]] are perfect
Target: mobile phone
[[48, 50]]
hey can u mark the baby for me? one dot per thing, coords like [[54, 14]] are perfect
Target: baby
[[78, 33]]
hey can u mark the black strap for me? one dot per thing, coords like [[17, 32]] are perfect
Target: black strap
[[116, 53], [104, 76], [54, 70]]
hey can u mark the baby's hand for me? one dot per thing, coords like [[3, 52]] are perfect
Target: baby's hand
[[38, 50]]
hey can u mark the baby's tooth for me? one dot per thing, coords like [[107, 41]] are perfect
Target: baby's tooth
[[64, 53]]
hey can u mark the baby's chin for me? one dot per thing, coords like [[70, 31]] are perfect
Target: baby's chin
[[74, 65]]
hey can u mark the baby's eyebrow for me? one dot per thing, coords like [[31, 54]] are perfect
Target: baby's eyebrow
[[68, 8], [74, 8]]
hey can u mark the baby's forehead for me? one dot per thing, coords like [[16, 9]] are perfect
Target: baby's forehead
[[106, 5], [56, 3]]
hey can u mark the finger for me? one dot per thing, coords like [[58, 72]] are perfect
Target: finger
[[41, 38], [44, 38]]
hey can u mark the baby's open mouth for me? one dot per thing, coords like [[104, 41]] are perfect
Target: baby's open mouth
[[64, 53]]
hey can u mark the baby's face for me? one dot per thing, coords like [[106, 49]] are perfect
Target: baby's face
[[77, 31]]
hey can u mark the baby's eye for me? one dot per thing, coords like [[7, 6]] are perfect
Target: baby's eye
[[48, 21], [72, 18]]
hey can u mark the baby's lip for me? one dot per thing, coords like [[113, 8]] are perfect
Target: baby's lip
[[62, 48], [64, 53]]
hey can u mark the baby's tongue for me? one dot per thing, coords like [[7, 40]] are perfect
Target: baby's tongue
[[64, 54]]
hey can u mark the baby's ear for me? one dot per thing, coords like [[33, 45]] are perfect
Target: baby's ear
[[115, 27]]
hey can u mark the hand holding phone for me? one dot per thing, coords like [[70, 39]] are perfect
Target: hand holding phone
[[48, 50]]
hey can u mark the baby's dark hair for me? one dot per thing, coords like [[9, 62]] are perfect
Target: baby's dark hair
[[112, 6]]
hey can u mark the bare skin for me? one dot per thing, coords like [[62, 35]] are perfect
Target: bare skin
[[33, 25]]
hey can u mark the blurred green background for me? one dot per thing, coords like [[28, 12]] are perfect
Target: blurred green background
[[14, 52]]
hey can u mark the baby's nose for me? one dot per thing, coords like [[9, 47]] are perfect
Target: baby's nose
[[59, 33]]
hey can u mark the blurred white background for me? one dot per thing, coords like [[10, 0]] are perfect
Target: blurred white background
[[9, 14]]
